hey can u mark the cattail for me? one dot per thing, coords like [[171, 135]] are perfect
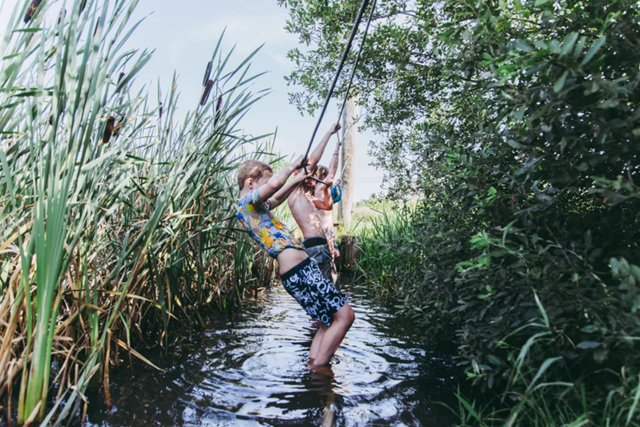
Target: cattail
[[108, 129], [111, 129], [31, 10], [120, 77], [205, 92], [83, 5], [218, 111], [95, 31], [207, 74], [160, 111]]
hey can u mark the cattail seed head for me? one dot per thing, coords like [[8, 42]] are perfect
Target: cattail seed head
[[218, 111], [207, 74], [205, 92], [108, 129], [31, 10]]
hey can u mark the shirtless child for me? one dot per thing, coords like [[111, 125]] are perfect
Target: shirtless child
[[304, 207]]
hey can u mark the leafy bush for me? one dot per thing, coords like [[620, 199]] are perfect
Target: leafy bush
[[518, 124]]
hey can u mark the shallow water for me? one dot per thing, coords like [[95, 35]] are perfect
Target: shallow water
[[252, 369]]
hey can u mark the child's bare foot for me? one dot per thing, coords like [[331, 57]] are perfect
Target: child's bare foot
[[321, 369]]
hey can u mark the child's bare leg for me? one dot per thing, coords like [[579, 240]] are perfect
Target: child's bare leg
[[315, 344], [332, 337]]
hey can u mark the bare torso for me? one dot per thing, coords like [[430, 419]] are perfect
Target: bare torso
[[305, 214]]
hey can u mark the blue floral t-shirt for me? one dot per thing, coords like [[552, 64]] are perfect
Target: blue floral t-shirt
[[263, 226]]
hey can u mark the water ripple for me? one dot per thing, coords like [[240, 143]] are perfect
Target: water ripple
[[253, 370]]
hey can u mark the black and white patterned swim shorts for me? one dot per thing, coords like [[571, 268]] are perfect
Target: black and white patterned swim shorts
[[318, 250], [315, 293]]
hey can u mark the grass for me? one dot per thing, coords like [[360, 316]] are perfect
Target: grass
[[380, 227], [117, 217], [529, 400]]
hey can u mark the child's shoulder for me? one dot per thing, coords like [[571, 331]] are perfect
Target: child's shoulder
[[250, 198]]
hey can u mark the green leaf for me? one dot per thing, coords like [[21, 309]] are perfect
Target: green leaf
[[494, 360], [523, 46], [568, 43], [543, 312], [540, 44], [587, 345], [593, 50], [615, 266], [516, 145], [541, 2], [600, 355], [579, 46], [557, 87], [545, 365], [519, 113], [27, 30]]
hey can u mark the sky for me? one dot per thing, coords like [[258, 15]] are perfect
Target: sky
[[184, 35]]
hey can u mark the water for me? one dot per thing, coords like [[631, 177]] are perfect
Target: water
[[252, 370]]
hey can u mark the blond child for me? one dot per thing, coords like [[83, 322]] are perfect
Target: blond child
[[260, 191]]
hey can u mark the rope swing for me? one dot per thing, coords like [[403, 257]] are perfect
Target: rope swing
[[345, 55]]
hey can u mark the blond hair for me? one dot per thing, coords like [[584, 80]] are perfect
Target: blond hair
[[252, 169]]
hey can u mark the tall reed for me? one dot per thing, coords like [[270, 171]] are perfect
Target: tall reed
[[116, 215]]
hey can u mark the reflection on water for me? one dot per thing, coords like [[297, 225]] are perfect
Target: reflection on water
[[253, 370]]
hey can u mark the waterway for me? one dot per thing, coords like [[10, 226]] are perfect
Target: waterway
[[251, 369]]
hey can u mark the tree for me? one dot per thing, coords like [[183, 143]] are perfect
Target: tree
[[518, 124]]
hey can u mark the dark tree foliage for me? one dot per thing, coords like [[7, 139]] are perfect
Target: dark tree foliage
[[518, 124]]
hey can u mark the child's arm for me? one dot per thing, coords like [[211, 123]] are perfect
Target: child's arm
[[316, 155], [278, 180], [327, 203], [283, 194], [335, 159]]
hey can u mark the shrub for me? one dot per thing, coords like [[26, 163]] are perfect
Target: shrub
[[518, 124]]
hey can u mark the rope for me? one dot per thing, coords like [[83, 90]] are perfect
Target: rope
[[353, 73], [355, 65], [345, 55]]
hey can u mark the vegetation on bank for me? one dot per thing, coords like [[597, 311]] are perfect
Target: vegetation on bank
[[116, 214], [518, 126]]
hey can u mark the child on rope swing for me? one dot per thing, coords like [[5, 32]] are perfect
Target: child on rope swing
[[323, 192], [317, 242], [260, 191]]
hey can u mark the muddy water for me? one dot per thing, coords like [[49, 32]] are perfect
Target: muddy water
[[252, 369]]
